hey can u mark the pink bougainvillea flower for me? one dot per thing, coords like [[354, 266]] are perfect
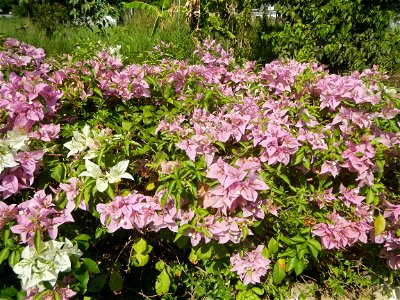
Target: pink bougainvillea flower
[[251, 266]]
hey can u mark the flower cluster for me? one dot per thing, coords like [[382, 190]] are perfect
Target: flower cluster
[[251, 266], [238, 186], [39, 214], [341, 233], [390, 237], [138, 212], [18, 54], [27, 103], [115, 175], [44, 265]]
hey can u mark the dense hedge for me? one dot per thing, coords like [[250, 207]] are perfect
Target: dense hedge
[[197, 180]]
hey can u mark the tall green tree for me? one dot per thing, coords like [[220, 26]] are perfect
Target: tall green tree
[[343, 34], [50, 14]]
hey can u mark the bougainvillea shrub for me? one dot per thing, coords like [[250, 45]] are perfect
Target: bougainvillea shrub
[[177, 179]]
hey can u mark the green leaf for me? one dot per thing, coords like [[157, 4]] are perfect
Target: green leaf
[[290, 263], [140, 245], [299, 157], [142, 259], [265, 253], [230, 35], [307, 163], [298, 239], [160, 265], [38, 241], [164, 198], [151, 186], [97, 283], [38, 296], [126, 125], [221, 145], [99, 232], [301, 250], [59, 172], [220, 250], [205, 251], [245, 232], [289, 253], [21, 295], [110, 192], [299, 266], [4, 254], [56, 295], [279, 273], [116, 281], [258, 291], [371, 195], [7, 238], [10, 291], [305, 117], [273, 246], [162, 283], [181, 242], [91, 265], [379, 224], [315, 244], [286, 240], [14, 258], [142, 6], [83, 241], [193, 257], [82, 275], [97, 91], [314, 252]]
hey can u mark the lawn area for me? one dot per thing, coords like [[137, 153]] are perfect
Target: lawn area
[[134, 38]]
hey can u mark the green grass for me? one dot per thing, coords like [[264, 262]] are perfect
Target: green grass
[[134, 37]]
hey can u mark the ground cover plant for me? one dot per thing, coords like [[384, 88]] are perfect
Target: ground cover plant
[[202, 180]]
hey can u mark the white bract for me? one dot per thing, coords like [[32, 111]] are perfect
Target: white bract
[[115, 51], [13, 142], [116, 174], [16, 141], [6, 161], [82, 141], [45, 264]]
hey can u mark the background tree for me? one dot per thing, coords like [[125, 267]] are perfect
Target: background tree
[[6, 6], [49, 15], [342, 34]]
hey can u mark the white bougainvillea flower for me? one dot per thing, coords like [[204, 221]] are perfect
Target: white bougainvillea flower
[[13, 142], [87, 140], [7, 161], [119, 171], [16, 141], [79, 141], [94, 171], [116, 174], [36, 267]]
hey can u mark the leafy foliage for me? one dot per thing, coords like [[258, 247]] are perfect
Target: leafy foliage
[[160, 14], [344, 35], [50, 15]]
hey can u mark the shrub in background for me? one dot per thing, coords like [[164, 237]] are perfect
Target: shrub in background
[[51, 15], [345, 35], [6, 6]]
